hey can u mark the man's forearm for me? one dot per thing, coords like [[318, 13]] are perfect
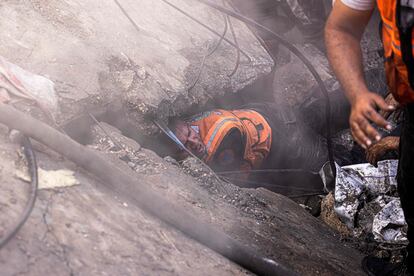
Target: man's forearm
[[345, 56], [343, 33]]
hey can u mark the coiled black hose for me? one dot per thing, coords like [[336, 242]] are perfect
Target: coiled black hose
[[34, 182]]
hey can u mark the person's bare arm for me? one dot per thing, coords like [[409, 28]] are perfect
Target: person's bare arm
[[343, 33]]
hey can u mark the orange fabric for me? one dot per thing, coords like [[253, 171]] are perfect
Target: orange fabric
[[213, 126], [395, 69]]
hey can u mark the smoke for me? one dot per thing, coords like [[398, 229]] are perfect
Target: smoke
[[268, 13]]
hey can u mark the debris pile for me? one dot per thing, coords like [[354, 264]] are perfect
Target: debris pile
[[366, 200], [109, 139], [100, 57], [366, 211]]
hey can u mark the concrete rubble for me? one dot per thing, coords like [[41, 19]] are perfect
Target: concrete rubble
[[95, 55], [87, 229], [367, 202], [98, 60]]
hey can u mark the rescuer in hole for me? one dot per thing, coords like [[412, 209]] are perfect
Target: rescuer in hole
[[267, 136]]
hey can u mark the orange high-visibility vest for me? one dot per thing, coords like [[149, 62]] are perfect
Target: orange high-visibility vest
[[396, 70], [214, 125]]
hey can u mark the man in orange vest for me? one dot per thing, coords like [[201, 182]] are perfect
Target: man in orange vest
[[227, 139], [343, 34], [267, 136]]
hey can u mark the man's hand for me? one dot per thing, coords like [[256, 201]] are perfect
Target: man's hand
[[390, 100], [379, 149], [363, 113]]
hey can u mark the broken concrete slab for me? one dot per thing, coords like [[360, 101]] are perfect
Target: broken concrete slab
[[84, 230], [90, 229], [95, 55]]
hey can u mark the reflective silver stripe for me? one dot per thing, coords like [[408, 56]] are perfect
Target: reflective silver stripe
[[199, 117], [217, 129], [386, 25], [396, 46], [393, 42]]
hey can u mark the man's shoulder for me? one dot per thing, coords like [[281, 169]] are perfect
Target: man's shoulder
[[362, 5]]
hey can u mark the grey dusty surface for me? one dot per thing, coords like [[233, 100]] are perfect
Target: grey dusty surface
[[86, 230], [89, 230], [96, 57]]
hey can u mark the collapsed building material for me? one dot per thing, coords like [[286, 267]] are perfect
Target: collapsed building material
[[150, 70], [366, 201], [126, 72], [309, 66], [145, 198]]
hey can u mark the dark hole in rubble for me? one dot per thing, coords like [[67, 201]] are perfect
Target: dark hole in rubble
[[80, 127]]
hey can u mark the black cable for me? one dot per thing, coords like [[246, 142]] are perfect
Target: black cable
[[254, 32], [174, 138], [208, 54], [207, 27], [307, 195], [127, 15], [32, 163], [270, 185], [222, 37], [236, 67], [297, 53], [269, 171]]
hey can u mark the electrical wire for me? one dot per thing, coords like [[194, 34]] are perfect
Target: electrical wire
[[105, 132], [32, 163], [200, 70], [308, 192], [307, 195], [301, 56], [223, 35], [260, 39], [236, 67], [269, 171], [208, 54], [172, 136], [127, 15], [207, 27], [265, 184]]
